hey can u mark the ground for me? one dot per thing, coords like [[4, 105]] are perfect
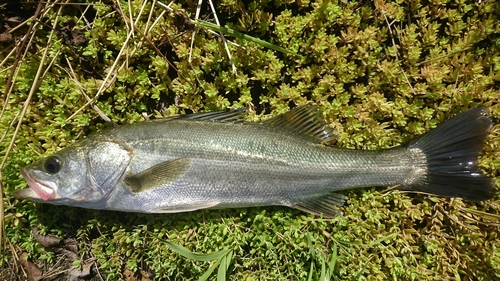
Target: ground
[[380, 72]]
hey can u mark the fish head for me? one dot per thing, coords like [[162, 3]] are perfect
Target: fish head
[[77, 175]]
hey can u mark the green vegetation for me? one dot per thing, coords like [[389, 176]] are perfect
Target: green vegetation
[[381, 72]]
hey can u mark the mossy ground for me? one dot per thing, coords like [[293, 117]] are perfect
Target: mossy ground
[[381, 72]]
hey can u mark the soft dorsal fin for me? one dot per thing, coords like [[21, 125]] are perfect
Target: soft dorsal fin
[[229, 115], [305, 120]]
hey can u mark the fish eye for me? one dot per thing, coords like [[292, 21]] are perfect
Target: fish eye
[[52, 164]]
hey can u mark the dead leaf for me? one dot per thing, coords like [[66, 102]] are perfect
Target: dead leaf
[[48, 241], [75, 274], [67, 247], [34, 273], [136, 276], [6, 37]]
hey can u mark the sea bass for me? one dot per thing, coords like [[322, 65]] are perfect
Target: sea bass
[[216, 160]]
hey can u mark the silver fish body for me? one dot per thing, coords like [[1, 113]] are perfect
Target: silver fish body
[[212, 161]]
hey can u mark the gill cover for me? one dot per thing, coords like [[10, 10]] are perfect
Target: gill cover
[[107, 161]]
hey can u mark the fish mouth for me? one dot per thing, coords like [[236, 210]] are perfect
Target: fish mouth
[[39, 189]]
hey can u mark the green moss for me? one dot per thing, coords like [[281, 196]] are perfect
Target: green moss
[[377, 86]]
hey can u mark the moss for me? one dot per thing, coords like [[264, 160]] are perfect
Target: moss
[[381, 73]]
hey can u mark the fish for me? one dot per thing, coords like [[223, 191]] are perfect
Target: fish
[[217, 160]]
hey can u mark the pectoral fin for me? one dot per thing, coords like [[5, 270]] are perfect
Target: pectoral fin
[[323, 204], [186, 208], [158, 175]]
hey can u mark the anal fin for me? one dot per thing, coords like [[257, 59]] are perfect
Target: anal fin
[[322, 204]]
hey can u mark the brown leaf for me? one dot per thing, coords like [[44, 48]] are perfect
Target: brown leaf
[[34, 273], [6, 37], [75, 274], [48, 241], [135, 276], [68, 247]]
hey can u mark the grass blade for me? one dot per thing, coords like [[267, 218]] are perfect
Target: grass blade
[[333, 260], [224, 266], [194, 256], [360, 271], [232, 32], [494, 217], [211, 269]]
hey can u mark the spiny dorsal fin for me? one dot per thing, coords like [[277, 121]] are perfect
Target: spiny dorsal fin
[[322, 204], [158, 175], [305, 120], [229, 115]]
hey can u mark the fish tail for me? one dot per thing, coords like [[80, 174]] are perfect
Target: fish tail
[[451, 152]]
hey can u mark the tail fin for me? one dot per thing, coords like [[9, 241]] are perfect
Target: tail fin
[[452, 150]]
